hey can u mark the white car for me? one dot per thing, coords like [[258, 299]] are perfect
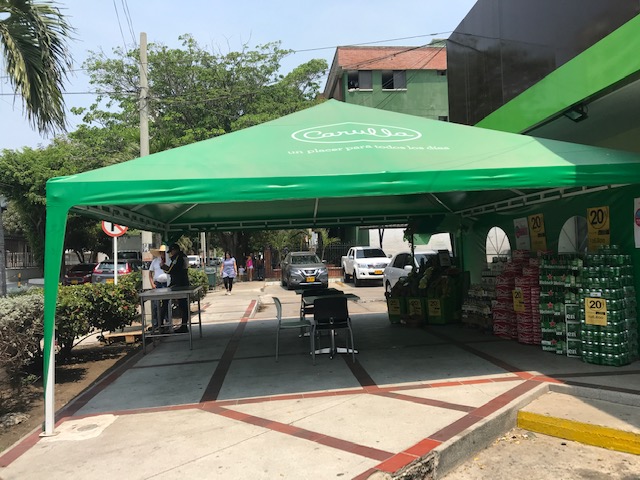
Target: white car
[[364, 263], [401, 264], [194, 261]]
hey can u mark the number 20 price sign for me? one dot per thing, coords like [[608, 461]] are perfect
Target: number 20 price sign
[[595, 311]]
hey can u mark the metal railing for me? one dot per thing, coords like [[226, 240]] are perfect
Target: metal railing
[[19, 260]]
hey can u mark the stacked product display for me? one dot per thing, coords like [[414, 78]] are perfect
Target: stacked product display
[[527, 291], [515, 314], [478, 305], [607, 312], [560, 278]]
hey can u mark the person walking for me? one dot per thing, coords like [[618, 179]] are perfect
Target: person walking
[[228, 271], [158, 278], [249, 265], [179, 271]]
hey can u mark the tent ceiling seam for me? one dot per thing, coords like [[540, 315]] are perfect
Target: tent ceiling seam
[[435, 197]]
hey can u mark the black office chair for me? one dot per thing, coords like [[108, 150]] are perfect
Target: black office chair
[[331, 313]]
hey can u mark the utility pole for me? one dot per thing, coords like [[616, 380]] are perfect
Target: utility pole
[[3, 269], [144, 97], [146, 237]]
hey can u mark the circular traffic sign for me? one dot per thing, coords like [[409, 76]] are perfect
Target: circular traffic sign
[[113, 229]]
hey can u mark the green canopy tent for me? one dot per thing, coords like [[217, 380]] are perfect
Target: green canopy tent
[[332, 164]]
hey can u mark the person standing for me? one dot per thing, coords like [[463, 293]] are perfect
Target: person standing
[[249, 265], [260, 267], [158, 278], [228, 271], [179, 271]]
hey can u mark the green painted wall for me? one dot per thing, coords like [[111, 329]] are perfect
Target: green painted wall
[[426, 95]]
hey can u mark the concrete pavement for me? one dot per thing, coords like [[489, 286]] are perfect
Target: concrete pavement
[[415, 401]]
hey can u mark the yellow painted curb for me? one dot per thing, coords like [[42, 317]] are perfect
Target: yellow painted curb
[[586, 433]]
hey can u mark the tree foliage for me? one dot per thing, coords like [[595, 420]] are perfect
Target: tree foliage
[[34, 36], [195, 94], [23, 177]]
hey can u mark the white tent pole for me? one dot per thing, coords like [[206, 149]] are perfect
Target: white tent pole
[[49, 401]]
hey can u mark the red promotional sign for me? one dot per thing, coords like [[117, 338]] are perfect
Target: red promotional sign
[[113, 229]]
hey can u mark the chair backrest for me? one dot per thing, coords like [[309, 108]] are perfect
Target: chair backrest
[[317, 292], [276, 300], [331, 312]]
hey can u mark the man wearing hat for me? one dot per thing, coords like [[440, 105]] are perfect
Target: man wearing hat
[[179, 271], [159, 279]]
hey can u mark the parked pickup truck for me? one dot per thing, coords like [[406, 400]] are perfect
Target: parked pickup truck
[[363, 263]]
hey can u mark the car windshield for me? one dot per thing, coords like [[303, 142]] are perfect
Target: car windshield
[[82, 268], [423, 257], [108, 266], [302, 259], [370, 253]]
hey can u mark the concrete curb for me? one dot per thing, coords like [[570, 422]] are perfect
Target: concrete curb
[[481, 435], [622, 398]]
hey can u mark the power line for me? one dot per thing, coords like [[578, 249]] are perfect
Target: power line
[[124, 42], [127, 14], [371, 43]]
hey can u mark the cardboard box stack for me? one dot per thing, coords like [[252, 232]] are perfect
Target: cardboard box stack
[[607, 309], [504, 317], [528, 319], [478, 304], [560, 280]]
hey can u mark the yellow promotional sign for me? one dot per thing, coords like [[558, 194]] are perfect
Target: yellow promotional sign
[[415, 306], [537, 233], [598, 232], [518, 301], [394, 306], [595, 311], [434, 308]]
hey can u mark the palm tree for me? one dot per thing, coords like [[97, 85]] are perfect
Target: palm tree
[[33, 36], [326, 239]]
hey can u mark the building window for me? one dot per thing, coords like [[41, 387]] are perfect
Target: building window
[[359, 79], [394, 80]]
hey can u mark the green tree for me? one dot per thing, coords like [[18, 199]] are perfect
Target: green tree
[[195, 94], [34, 38], [24, 173]]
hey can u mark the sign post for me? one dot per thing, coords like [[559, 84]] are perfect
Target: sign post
[[114, 230]]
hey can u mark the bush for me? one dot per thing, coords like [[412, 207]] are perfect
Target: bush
[[99, 306], [197, 278], [111, 307], [72, 315], [21, 329]]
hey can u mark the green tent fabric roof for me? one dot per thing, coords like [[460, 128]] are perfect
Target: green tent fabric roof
[[332, 164], [298, 169]]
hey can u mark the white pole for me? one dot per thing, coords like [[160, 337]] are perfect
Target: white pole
[[115, 260], [49, 405]]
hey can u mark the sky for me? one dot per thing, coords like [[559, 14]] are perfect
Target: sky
[[313, 30]]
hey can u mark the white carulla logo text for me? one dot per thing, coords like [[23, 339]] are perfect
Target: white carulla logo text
[[353, 132]]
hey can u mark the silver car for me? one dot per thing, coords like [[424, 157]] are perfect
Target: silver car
[[103, 273], [302, 269]]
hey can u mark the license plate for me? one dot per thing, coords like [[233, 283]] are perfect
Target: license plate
[[378, 272], [74, 282], [311, 279], [109, 280]]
